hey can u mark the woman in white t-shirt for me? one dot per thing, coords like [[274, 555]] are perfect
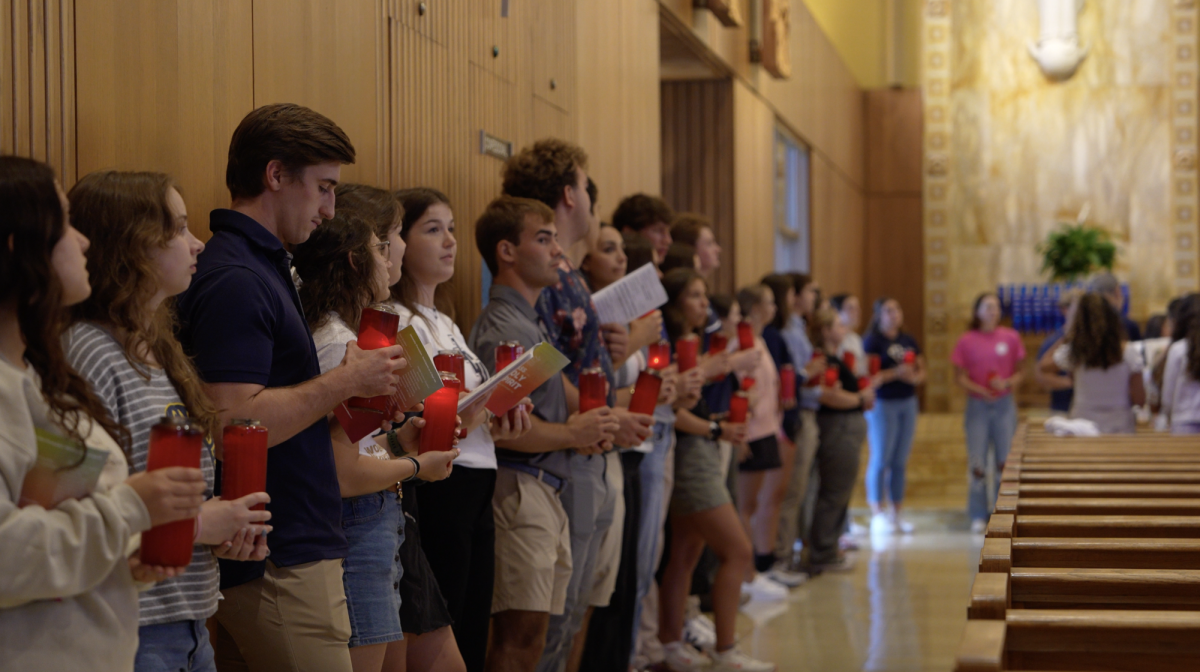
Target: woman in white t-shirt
[[343, 268], [462, 551], [850, 311], [1106, 369]]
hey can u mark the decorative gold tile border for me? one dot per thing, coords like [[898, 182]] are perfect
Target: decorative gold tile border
[[936, 48], [1185, 67]]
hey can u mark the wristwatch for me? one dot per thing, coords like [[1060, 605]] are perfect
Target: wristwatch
[[714, 430]]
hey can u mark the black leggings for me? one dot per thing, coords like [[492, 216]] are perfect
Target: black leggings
[[460, 542]]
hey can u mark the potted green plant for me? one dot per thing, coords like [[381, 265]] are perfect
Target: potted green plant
[[1074, 251]]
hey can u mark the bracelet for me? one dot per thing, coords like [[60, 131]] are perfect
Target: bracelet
[[394, 443], [199, 528], [416, 469]]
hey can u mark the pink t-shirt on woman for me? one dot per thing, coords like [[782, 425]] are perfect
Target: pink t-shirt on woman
[[983, 354]]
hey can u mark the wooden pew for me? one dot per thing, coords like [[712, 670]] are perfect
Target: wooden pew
[[1003, 555], [1023, 489], [1099, 506], [1007, 526], [1068, 639], [994, 593]]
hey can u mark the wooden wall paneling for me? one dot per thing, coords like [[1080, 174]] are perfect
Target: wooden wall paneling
[[754, 187], [37, 95], [894, 258], [161, 86], [836, 229], [892, 139], [698, 160], [495, 43], [326, 55], [553, 57], [617, 97]]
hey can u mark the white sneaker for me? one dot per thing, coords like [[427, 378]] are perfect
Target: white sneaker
[[734, 660], [783, 576], [857, 528], [903, 526], [978, 526], [700, 633], [682, 657], [882, 523], [764, 589]]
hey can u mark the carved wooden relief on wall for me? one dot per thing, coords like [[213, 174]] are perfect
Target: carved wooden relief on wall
[[728, 12], [777, 33]]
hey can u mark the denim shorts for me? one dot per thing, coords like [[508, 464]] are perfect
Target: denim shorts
[[179, 645], [371, 572]]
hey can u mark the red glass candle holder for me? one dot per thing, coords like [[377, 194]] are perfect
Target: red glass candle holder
[[910, 357], [739, 406], [717, 343], [687, 349], [874, 363], [850, 360], [452, 361], [831, 376], [745, 336], [659, 355], [591, 389], [645, 392], [376, 329], [441, 413], [863, 383], [747, 383], [244, 467], [787, 383], [174, 442], [507, 353]]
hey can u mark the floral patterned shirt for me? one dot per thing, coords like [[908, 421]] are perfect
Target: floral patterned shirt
[[570, 317]]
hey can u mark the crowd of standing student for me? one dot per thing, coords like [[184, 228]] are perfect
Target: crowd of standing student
[[535, 542]]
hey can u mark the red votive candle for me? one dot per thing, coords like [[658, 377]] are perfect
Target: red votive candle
[[244, 468], [441, 411], [376, 329], [591, 389], [506, 353], [874, 363], [686, 350], [739, 405], [452, 361], [174, 442], [745, 336], [910, 357], [787, 383], [831, 376], [717, 343], [850, 360], [645, 393], [747, 383], [863, 383], [659, 355]]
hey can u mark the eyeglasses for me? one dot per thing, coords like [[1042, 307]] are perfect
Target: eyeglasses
[[384, 247]]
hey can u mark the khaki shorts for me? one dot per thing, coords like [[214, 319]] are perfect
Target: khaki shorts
[[609, 562], [293, 618], [533, 545]]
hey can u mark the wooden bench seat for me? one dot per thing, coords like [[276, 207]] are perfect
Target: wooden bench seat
[[1070, 639], [994, 593], [1007, 526], [1101, 490], [1099, 506], [1003, 555]]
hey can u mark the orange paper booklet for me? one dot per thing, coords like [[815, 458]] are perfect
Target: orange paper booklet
[[518, 379], [417, 380]]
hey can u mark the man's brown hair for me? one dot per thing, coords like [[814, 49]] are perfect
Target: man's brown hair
[[292, 134], [543, 169], [503, 220], [639, 211], [687, 227]]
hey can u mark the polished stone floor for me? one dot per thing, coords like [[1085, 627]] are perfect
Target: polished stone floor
[[902, 608]]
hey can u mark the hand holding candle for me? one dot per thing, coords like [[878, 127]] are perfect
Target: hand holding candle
[[849, 360], [831, 376], [244, 467], [376, 329], [739, 407], [687, 349], [645, 393], [745, 335], [441, 417], [874, 364], [593, 391], [659, 355], [174, 442], [787, 384], [717, 343]]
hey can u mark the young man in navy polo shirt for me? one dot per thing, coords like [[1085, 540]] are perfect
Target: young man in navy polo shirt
[[242, 323]]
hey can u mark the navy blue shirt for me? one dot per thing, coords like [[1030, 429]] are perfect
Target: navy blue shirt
[[891, 354], [241, 322], [1060, 400]]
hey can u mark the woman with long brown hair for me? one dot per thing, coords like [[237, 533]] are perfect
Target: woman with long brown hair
[[67, 594], [122, 342], [344, 267], [1107, 372]]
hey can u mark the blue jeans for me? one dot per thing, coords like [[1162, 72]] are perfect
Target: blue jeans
[[654, 498], [371, 573], [181, 646], [890, 428], [988, 423]]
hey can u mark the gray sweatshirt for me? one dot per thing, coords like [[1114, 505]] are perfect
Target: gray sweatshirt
[[67, 599]]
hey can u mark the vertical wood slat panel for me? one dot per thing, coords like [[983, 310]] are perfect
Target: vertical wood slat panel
[[698, 160], [37, 82]]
